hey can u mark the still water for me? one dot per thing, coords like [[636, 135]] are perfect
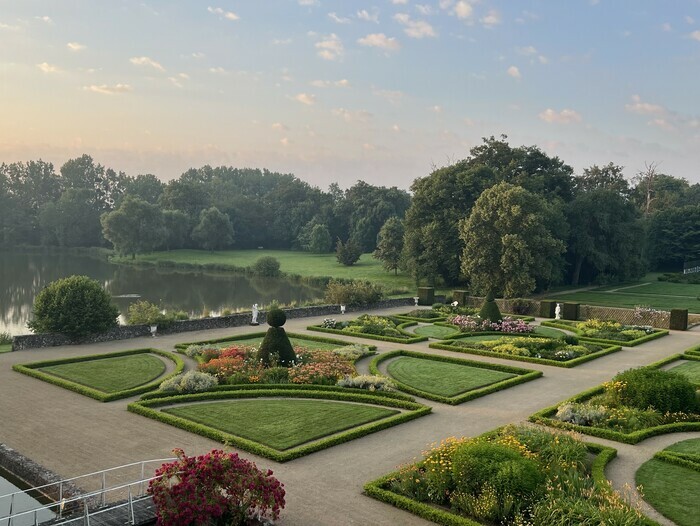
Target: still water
[[21, 502], [23, 275]]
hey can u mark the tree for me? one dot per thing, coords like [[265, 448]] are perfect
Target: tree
[[145, 186], [71, 221], [390, 244], [106, 184], [674, 238], [214, 231], [655, 191], [509, 242], [177, 229], [135, 227], [608, 177], [76, 306], [320, 240], [347, 253], [266, 266]]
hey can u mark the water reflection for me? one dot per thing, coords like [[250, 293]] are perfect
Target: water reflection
[[23, 275]]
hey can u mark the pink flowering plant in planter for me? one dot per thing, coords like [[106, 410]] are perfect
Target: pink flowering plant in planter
[[477, 324], [218, 489]]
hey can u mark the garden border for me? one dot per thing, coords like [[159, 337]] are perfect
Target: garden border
[[632, 343], [400, 327], [31, 369], [523, 375], [543, 416], [311, 337], [415, 410]]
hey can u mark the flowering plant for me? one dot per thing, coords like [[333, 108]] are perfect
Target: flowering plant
[[477, 324], [214, 489]]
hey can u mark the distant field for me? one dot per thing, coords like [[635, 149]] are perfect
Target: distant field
[[658, 294], [301, 263]]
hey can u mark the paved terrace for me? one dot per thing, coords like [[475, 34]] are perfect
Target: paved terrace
[[72, 434]]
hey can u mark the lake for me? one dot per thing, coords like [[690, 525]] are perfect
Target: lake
[[22, 502], [24, 274]]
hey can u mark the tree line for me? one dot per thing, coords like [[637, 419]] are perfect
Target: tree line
[[508, 219]]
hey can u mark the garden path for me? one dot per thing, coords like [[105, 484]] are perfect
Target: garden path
[[71, 434]]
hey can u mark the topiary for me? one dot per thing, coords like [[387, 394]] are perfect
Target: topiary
[[276, 345], [489, 310], [276, 317], [76, 306]]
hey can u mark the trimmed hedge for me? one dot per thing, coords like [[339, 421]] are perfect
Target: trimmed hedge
[[524, 375], [544, 416], [444, 345], [412, 338], [377, 489], [341, 343], [679, 459], [408, 317], [146, 408], [658, 333], [570, 310], [31, 369]]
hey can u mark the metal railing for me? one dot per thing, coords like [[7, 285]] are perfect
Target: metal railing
[[94, 493]]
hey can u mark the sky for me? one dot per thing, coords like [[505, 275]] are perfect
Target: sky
[[383, 91]]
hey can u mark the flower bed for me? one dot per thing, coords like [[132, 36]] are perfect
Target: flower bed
[[270, 422], [635, 405], [480, 388], [508, 324], [89, 375], [373, 327], [610, 332], [513, 476], [423, 315], [549, 351]]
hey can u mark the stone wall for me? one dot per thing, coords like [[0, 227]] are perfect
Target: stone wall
[[35, 341]]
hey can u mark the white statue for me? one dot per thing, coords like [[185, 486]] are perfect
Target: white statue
[[342, 309], [255, 314], [557, 312], [415, 300]]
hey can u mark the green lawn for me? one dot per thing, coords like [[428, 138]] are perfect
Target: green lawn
[[549, 332], [691, 370], [111, 375], [673, 490], [281, 424], [301, 263], [482, 337], [441, 378], [5, 348], [435, 331]]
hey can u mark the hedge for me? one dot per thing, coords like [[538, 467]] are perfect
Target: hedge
[[411, 339], [679, 459], [237, 337], [544, 416], [524, 375], [530, 359], [31, 369], [377, 489], [658, 333], [408, 317], [414, 410]]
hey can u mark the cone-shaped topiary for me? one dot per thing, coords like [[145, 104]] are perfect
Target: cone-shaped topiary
[[489, 310], [276, 342]]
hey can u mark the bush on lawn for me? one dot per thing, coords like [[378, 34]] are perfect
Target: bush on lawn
[[489, 310], [266, 266], [353, 293], [216, 488], [76, 306], [147, 313]]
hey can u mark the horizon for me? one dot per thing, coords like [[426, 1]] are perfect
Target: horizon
[[382, 91]]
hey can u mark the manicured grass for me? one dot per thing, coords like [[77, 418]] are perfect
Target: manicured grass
[[691, 446], [111, 375], [435, 331], [300, 263], [281, 424], [690, 370], [672, 490], [549, 332], [444, 379], [5, 348]]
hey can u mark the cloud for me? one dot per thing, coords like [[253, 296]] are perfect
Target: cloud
[[8, 27], [342, 83], [491, 19], [399, 2], [228, 15], [381, 41], [217, 70], [396, 128], [309, 2], [338, 19], [176, 79], [305, 98], [75, 46], [643, 108], [662, 123], [424, 9], [462, 9], [689, 19], [514, 72], [279, 126], [195, 55], [367, 17], [565, 116], [284, 141], [666, 26], [352, 116], [104, 89], [392, 96], [330, 48], [415, 28], [46, 19], [146, 61], [526, 51], [47, 68], [281, 41], [436, 109], [695, 35]]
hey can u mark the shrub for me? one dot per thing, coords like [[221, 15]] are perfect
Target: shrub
[[353, 352], [76, 306], [198, 350], [366, 381], [665, 391], [5, 338], [276, 347], [323, 373], [582, 414], [190, 382], [348, 253], [147, 313], [353, 293], [489, 310], [266, 266], [276, 317], [216, 488]]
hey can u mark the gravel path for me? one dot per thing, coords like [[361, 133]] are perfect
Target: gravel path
[[71, 434]]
